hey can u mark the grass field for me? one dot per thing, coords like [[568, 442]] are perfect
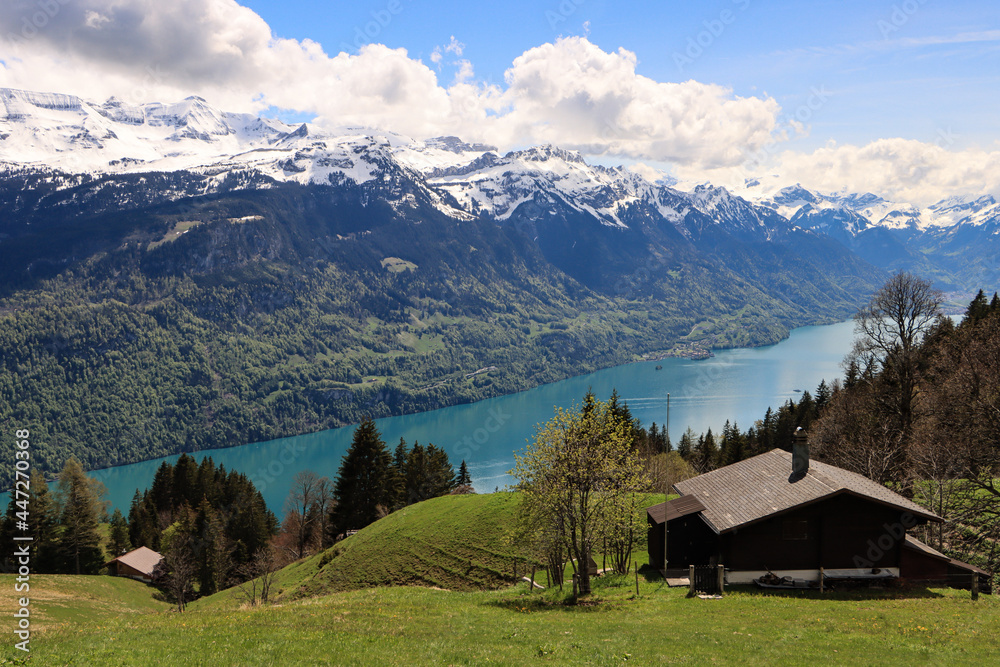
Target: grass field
[[319, 620], [422, 626]]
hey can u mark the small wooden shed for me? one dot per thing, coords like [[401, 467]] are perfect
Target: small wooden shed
[[137, 564]]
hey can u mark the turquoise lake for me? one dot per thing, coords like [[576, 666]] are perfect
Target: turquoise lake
[[738, 385]]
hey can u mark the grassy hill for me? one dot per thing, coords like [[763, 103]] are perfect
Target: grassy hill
[[460, 543]]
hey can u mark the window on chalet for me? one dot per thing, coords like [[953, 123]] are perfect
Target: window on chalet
[[795, 529]]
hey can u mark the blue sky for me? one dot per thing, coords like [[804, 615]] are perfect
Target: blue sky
[[896, 96], [914, 69]]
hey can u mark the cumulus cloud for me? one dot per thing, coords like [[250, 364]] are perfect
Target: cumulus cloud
[[574, 94], [900, 169], [569, 92], [897, 169]]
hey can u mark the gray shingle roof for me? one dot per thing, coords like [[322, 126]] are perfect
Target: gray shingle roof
[[142, 559], [675, 509], [758, 487]]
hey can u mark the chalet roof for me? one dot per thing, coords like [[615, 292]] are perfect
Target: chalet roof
[[759, 487], [675, 509], [910, 542], [143, 560], [916, 545]]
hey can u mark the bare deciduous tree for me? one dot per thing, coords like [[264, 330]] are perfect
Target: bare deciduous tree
[[259, 574], [890, 328]]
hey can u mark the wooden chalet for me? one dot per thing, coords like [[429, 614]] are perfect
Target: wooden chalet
[[137, 564], [779, 512]]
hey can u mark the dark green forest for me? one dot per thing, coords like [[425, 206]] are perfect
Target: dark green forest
[[242, 317]]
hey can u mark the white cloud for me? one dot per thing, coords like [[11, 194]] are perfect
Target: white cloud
[[569, 92], [574, 94], [897, 169], [901, 169]]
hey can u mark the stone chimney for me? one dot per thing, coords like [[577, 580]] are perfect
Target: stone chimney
[[800, 453]]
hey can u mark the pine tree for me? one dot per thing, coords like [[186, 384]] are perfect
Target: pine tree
[[463, 475], [822, 395], [398, 482], [708, 452], [995, 304], [118, 539], [79, 500], [142, 530], [214, 559], [978, 308], [441, 477], [362, 487], [43, 519], [686, 445]]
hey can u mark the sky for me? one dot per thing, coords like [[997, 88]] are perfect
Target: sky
[[895, 97]]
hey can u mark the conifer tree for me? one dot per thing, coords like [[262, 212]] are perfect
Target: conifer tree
[[81, 508], [362, 488], [708, 452], [463, 475], [979, 307], [118, 539]]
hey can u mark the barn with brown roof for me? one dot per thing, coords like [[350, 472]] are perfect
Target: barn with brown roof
[[779, 512], [138, 564]]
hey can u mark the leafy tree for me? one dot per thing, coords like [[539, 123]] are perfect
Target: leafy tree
[[575, 476], [179, 568], [363, 482]]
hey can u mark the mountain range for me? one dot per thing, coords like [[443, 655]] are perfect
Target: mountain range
[[174, 277], [66, 141]]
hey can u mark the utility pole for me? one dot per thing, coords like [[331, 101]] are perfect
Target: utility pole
[[666, 492]]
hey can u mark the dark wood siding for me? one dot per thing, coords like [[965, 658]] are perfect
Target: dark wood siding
[[842, 532], [916, 566], [690, 542]]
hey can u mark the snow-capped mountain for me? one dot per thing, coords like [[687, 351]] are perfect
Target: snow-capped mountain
[[854, 213], [75, 143]]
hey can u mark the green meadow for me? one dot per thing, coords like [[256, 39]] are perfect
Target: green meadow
[[432, 585]]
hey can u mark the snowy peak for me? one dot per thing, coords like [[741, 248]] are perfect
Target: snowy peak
[[854, 213]]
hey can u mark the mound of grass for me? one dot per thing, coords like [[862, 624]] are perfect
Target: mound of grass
[[452, 542], [458, 543]]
